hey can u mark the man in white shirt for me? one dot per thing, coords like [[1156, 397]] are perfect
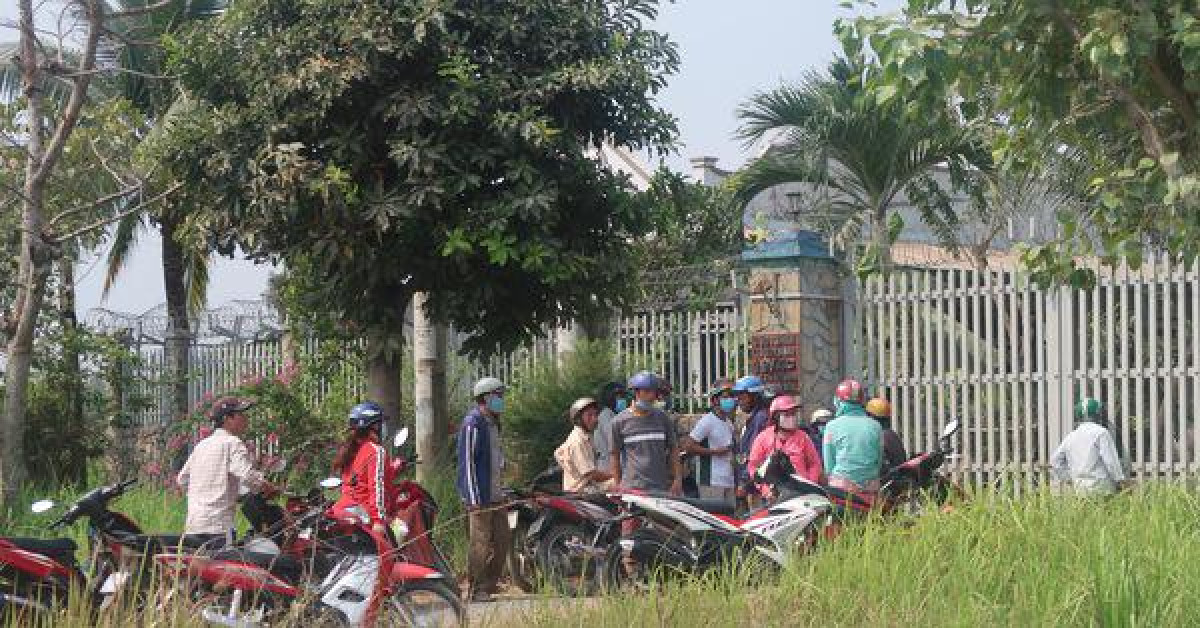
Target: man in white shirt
[[219, 464], [711, 440], [1088, 460]]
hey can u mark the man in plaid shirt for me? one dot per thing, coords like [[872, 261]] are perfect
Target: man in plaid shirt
[[219, 464]]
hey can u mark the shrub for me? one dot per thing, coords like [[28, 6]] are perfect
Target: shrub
[[535, 422]]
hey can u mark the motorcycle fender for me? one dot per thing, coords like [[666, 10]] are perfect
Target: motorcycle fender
[[405, 572]]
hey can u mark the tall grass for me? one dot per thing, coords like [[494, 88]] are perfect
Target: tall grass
[[1040, 561]]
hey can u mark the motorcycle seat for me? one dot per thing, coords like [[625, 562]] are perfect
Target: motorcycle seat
[[60, 550], [155, 543], [285, 567], [849, 501]]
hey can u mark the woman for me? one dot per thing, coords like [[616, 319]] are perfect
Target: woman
[[363, 465], [783, 433]]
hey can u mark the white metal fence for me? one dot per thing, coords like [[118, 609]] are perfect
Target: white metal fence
[[1011, 359], [690, 348]]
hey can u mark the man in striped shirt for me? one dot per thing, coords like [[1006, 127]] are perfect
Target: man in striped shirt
[[644, 445]]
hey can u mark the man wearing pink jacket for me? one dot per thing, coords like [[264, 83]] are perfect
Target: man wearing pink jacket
[[784, 434]]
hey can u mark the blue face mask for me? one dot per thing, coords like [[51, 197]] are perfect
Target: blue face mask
[[621, 404], [644, 406], [728, 404], [496, 404]]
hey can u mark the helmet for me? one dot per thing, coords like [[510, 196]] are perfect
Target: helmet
[[1089, 408], [821, 414], [487, 386], [721, 385], [783, 403], [851, 391], [228, 406], [579, 406], [750, 384], [365, 414], [644, 380], [879, 407]]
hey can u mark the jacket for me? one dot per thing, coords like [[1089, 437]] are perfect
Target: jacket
[[853, 447], [474, 480], [798, 447], [366, 482]]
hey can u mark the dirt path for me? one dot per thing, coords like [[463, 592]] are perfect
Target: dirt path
[[516, 609]]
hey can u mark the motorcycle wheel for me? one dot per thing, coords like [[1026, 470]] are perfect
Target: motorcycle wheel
[[614, 578], [569, 571], [432, 604], [521, 560]]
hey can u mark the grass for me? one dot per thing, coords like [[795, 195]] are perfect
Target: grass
[[1040, 561]]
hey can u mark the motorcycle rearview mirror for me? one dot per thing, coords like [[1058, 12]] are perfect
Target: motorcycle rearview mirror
[[331, 482], [401, 437], [950, 429], [42, 506]]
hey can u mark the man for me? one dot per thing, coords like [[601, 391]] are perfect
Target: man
[[217, 467], [815, 428], [645, 454], [613, 401], [711, 441], [577, 455], [894, 453], [853, 446], [1087, 460], [750, 400], [480, 465]]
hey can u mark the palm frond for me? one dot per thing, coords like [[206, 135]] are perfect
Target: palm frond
[[195, 279], [125, 239]]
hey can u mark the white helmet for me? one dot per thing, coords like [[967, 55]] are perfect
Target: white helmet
[[487, 386], [821, 414]]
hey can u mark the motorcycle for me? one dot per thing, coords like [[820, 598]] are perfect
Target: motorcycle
[[333, 566], [526, 506], [688, 536], [915, 483], [36, 574]]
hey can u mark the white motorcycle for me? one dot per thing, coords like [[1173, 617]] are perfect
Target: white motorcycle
[[688, 536]]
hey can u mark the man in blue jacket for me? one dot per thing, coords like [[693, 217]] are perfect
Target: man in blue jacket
[[480, 463], [753, 404]]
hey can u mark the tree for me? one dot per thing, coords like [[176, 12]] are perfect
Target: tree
[[826, 132], [1113, 78], [53, 216], [386, 148]]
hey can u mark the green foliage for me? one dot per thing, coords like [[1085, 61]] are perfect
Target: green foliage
[[690, 223], [1112, 79], [859, 152], [535, 422], [386, 148]]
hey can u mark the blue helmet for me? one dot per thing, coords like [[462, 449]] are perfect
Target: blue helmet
[[365, 414], [644, 380], [750, 384]]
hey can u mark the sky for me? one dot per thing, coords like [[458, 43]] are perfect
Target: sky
[[729, 49]]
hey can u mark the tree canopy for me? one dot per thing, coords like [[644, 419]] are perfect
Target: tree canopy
[[1113, 79], [387, 148]]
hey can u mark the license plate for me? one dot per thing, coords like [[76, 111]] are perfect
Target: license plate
[[513, 516], [114, 582]]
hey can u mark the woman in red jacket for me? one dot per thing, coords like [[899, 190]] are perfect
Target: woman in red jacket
[[363, 465]]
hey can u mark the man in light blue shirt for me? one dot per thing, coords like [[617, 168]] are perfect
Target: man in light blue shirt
[[853, 444]]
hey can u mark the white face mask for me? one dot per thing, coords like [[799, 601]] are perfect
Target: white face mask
[[787, 421]]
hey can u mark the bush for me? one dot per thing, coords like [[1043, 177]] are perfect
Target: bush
[[535, 422]]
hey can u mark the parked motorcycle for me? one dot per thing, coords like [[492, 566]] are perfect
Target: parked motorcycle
[[910, 486], [687, 536], [525, 507], [36, 574], [332, 567]]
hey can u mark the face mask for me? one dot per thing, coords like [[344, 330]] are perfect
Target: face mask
[[621, 404], [644, 406], [727, 405], [662, 404], [495, 404], [787, 421]]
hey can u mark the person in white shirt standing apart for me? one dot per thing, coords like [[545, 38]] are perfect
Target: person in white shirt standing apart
[[218, 466], [1087, 460], [711, 440]]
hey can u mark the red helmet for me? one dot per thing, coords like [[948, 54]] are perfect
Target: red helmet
[[851, 391], [783, 403]]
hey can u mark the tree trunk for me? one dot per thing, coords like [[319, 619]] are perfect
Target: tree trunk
[[177, 340], [384, 351], [121, 456], [74, 431], [33, 271], [429, 390], [880, 241]]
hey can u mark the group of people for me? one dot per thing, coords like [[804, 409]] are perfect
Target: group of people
[[624, 439]]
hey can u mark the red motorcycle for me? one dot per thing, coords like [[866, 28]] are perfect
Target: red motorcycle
[[329, 567]]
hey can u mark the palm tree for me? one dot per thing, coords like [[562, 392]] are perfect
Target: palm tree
[[860, 153]]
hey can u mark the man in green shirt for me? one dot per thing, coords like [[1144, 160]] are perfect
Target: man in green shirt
[[853, 444]]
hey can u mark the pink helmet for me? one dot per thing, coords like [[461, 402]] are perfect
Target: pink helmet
[[852, 391], [783, 403]]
